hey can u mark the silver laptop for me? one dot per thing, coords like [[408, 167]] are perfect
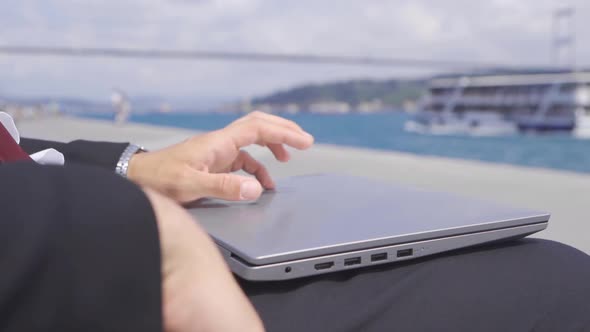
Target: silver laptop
[[327, 223]]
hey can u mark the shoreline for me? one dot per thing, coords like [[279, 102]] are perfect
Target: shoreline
[[556, 151]]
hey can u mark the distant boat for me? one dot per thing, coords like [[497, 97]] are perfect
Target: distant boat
[[468, 123], [582, 129], [509, 103]]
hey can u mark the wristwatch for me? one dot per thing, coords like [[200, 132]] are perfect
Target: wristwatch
[[123, 163]]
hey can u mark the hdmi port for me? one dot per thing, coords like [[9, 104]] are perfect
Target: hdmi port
[[324, 266]]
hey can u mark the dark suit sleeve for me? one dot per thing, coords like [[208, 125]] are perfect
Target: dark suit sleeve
[[102, 154], [79, 251]]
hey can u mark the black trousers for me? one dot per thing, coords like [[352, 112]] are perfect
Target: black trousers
[[524, 285], [79, 251]]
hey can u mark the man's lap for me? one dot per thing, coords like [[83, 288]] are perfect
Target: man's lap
[[515, 286]]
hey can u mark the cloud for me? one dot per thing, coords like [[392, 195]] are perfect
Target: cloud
[[504, 31]]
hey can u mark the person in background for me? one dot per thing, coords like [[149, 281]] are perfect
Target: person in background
[[102, 243]]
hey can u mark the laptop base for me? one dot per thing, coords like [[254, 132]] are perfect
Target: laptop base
[[372, 256]]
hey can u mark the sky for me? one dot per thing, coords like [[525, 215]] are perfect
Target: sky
[[516, 32]]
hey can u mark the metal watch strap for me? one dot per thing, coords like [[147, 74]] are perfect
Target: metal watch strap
[[123, 163]]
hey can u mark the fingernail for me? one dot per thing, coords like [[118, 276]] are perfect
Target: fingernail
[[249, 190]]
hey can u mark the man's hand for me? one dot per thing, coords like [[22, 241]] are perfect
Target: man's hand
[[199, 291], [201, 166]]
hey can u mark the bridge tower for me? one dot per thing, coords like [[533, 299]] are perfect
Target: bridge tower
[[564, 41]]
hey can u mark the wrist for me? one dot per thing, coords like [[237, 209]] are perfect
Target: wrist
[[125, 160], [136, 167]]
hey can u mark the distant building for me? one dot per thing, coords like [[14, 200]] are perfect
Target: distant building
[[375, 105], [26, 111], [329, 107], [267, 108], [292, 108], [500, 103], [165, 108]]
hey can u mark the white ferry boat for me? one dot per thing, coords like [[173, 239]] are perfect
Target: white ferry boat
[[506, 103]]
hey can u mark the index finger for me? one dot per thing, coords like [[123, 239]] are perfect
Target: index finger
[[264, 133], [272, 118]]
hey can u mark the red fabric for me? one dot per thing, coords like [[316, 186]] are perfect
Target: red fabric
[[9, 149]]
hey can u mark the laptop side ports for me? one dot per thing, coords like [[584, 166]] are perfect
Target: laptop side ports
[[379, 257], [405, 252], [352, 261]]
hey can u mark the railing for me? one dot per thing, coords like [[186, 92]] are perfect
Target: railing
[[504, 100]]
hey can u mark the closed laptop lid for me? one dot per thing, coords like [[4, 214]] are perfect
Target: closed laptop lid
[[308, 216]]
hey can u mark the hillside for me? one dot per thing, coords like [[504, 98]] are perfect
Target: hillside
[[390, 93]]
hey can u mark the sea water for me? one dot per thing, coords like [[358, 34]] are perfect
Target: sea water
[[385, 131]]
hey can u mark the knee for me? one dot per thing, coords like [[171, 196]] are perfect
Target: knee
[[554, 253]]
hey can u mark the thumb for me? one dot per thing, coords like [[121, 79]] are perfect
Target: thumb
[[231, 187]]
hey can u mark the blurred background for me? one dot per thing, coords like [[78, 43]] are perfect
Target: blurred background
[[498, 81], [488, 99]]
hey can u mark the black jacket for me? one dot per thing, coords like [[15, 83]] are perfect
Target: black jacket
[[79, 247], [100, 154]]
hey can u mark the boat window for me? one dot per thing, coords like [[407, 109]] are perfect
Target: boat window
[[568, 87]]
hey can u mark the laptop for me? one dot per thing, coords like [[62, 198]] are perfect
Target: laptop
[[318, 224]]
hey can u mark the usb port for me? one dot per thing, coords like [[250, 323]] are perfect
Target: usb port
[[379, 257], [352, 261], [324, 266], [405, 252]]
